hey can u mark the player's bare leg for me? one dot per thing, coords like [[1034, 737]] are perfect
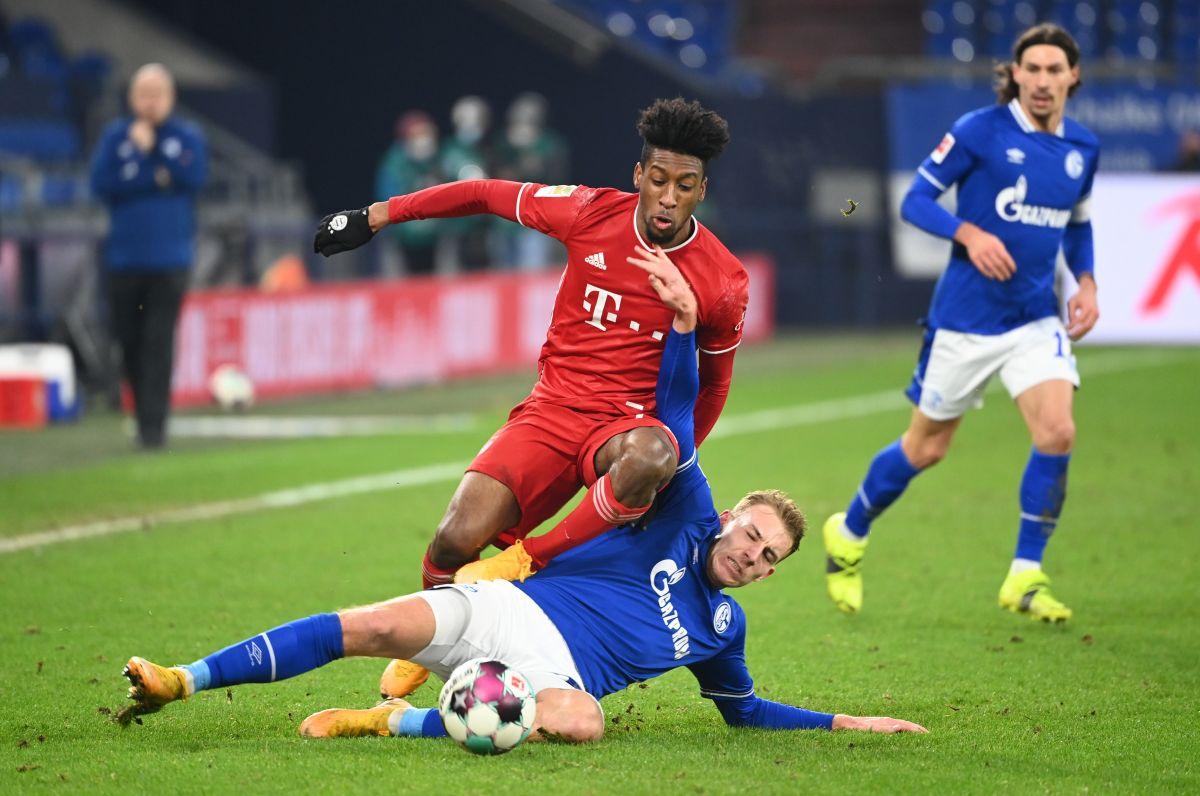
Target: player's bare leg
[[639, 463], [1047, 410], [480, 509], [400, 627], [632, 466], [925, 443]]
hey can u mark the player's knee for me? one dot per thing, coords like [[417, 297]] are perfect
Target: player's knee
[[1056, 437], [646, 463], [577, 726], [454, 544]]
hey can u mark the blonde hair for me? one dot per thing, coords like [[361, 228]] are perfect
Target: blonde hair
[[783, 506]]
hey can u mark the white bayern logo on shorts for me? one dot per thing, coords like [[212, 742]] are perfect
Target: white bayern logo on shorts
[[721, 618], [338, 222], [1074, 164]]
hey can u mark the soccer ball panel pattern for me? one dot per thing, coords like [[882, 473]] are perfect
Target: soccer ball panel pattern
[[487, 707]]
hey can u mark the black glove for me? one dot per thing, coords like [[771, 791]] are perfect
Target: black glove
[[342, 231]]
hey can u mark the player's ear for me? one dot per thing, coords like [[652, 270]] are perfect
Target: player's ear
[[726, 516], [766, 574], [703, 189], [637, 176]]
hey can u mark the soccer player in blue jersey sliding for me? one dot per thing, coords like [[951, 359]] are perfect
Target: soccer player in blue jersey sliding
[[630, 605], [1024, 173]]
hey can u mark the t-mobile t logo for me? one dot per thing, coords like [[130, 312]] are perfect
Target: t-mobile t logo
[[600, 309]]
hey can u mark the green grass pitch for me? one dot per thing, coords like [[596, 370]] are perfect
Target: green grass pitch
[[1110, 702]]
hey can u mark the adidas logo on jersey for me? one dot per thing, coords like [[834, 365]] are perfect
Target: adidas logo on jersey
[[1015, 156], [597, 260]]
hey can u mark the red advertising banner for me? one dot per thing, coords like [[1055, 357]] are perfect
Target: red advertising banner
[[357, 335]]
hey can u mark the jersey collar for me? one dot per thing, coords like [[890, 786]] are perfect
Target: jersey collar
[[637, 233], [1023, 122]]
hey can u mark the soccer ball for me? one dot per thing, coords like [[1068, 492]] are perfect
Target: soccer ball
[[487, 707], [231, 388]]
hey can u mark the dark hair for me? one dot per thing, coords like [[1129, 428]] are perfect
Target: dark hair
[[1045, 33], [684, 127]]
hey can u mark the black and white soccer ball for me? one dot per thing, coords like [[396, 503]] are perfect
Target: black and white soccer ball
[[487, 707]]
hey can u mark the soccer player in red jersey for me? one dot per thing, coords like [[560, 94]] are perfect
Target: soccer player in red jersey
[[589, 420]]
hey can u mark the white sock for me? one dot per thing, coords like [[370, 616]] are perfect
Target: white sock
[[851, 535], [1023, 565]]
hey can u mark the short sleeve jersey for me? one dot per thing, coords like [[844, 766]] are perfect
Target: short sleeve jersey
[[605, 339], [1023, 186]]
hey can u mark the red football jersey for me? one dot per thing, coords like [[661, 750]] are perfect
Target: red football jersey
[[605, 340]]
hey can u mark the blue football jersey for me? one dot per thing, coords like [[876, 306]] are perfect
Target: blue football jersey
[[1023, 186], [636, 603]]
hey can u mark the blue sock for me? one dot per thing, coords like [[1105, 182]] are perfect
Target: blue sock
[[1043, 490], [887, 477], [277, 654], [419, 723]]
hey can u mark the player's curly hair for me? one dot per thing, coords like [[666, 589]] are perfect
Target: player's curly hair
[[1045, 33], [789, 513], [684, 127]]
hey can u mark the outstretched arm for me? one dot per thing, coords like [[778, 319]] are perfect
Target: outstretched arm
[[726, 681], [349, 229]]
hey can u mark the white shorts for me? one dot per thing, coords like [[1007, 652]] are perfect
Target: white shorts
[[955, 367], [496, 620]]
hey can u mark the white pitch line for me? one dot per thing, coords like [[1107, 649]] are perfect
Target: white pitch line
[[299, 426], [749, 423], [417, 476]]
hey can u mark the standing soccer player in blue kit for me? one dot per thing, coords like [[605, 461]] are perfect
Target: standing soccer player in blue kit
[[1024, 173], [625, 607]]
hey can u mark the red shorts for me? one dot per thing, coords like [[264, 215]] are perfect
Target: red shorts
[[545, 453]]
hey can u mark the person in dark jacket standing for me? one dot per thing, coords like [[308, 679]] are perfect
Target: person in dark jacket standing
[[148, 168]]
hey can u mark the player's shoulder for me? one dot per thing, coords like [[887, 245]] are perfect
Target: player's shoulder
[[596, 205], [725, 261], [1078, 134], [979, 122]]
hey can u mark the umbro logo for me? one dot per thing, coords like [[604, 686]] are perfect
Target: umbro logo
[[1015, 156], [597, 260]]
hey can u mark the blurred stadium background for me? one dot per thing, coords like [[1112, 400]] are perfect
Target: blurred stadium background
[[828, 100], [310, 107]]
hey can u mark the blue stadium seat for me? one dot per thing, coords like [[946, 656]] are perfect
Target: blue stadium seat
[[40, 139], [36, 48]]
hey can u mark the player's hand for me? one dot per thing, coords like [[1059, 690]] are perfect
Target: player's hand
[[669, 284], [880, 724], [342, 231], [142, 134], [1082, 309], [987, 252]]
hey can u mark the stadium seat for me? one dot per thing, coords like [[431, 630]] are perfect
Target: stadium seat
[[40, 139]]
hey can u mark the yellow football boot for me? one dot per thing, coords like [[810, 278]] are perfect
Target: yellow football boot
[[511, 564], [151, 686], [843, 558], [346, 723], [1028, 592], [401, 678]]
